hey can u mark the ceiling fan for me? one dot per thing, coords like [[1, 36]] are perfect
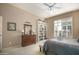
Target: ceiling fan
[[51, 6]]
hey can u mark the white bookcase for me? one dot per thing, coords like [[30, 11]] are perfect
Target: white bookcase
[[41, 30]]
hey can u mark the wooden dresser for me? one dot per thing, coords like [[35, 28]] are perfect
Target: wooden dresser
[[28, 40]]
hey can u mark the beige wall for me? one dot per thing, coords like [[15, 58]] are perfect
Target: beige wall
[[75, 18], [18, 16]]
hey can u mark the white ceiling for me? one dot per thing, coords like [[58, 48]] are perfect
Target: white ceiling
[[40, 10]]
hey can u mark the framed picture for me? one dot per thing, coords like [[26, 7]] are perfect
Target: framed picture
[[11, 26]]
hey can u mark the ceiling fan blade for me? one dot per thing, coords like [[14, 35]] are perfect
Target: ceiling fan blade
[[46, 4], [53, 5], [58, 7]]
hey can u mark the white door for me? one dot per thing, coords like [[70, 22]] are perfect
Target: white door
[[0, 32]]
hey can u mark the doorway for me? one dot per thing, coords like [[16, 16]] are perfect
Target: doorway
[[0, 32]]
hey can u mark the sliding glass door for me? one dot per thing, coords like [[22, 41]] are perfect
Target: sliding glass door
[[63, 28]]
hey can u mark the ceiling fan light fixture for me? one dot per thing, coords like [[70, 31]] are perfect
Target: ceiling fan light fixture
[[50, 6]]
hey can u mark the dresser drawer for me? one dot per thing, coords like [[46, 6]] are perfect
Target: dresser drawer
[[28, 40]]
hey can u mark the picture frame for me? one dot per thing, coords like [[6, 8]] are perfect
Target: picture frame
[[27, 29], [11, 26]]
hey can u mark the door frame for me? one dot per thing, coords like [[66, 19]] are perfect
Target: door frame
[[1, 33]]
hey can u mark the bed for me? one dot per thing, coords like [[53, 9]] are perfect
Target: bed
[[61, 47]]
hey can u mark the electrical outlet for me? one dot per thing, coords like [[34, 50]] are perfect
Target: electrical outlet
[[10, 43]]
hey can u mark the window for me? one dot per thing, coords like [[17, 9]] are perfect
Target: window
[[63, 27]]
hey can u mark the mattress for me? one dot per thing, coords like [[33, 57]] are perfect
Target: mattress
[[61, 47]]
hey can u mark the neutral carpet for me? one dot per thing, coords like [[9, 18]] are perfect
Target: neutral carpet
[[28, 50]]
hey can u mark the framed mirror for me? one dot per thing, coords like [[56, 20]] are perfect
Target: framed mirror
[[27, 29]]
